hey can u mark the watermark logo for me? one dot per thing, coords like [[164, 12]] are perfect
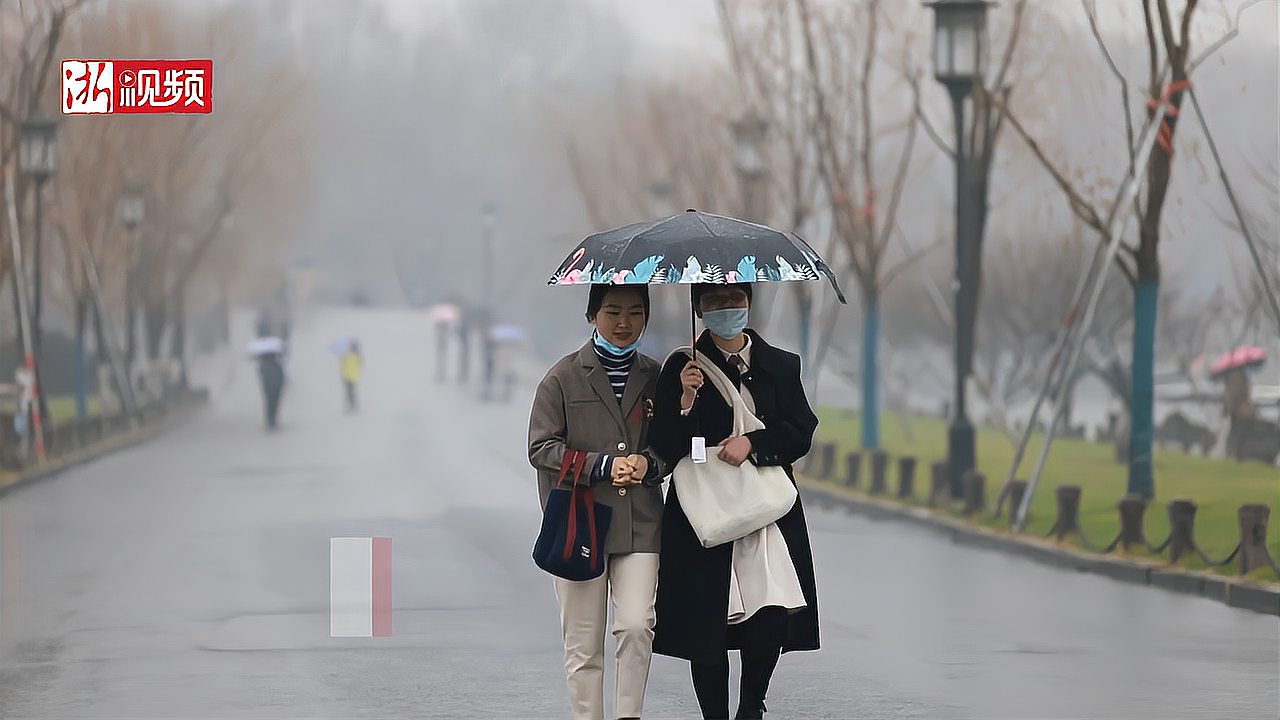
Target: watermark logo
[[126, 87]]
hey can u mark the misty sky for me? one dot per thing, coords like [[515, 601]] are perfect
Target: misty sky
[[498, 87]]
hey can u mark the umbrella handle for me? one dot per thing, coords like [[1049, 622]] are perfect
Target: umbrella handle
[[693, 321]]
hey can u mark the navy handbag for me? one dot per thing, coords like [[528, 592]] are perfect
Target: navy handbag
[[571, 542]]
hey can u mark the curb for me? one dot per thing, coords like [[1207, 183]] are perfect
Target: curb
[[1234, 593], [106, 447]]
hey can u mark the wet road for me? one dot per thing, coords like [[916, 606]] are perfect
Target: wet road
[[189, 578]]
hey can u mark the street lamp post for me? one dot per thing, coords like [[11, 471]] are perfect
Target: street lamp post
[[660, 192], [38, 158], [749, 134], [665, 306], [489, 219], [958, 40], [748, 141]]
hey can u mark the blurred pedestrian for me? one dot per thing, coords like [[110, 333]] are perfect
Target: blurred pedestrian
[[444, 316], [268, 351], [352, 367], [597, 401], [465, 321], [443, 332], [700, 617]]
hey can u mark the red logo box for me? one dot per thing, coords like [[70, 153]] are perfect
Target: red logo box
[[131, 87]]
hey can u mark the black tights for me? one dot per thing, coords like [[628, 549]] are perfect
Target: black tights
[[761, 641]]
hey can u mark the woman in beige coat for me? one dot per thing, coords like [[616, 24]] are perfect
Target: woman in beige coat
[[599, 400]]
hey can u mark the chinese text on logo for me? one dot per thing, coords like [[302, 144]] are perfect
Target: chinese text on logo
[[117, 87]]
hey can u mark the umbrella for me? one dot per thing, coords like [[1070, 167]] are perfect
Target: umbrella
[[693, 247], [506, 334], [265, 346], [340, 346], [445, 313], [1241, 358]]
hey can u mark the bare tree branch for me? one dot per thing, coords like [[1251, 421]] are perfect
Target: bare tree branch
[[731, 38], [1222, 41], [1079, 205], [1015, 31], [894, 271], [933, 134], [1153, 89], [899, 182], [1091, 12], [1184, 47], [579, 179]]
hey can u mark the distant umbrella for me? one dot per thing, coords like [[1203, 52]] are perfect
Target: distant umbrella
[[1246, 357], [340, 346], [507, 334], [445, 313], [264, 346]]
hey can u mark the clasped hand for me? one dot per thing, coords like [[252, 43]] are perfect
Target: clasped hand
[[629, 470]]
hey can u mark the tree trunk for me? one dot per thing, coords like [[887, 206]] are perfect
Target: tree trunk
[[180, 337], [81, 369], [1142, 403], [130, 323], [1240, 409], [804, 322], [1147, 289], [156, 317], [224, 319], [870, 374], [99, 338]]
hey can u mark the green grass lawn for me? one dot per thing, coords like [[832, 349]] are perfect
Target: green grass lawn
[[62, 408], [1218, 487]]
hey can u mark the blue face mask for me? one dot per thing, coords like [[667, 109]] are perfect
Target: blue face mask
[[726, 324], [614, 349]]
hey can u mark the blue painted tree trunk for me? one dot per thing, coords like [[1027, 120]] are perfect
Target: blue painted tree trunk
[[870, 373], [82, 375], [1142, 421]]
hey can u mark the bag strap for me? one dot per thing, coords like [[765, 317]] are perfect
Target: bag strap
[[721, 383], [572, 534], [566, 464]]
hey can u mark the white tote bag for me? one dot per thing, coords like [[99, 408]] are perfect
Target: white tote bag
[[723, 502]]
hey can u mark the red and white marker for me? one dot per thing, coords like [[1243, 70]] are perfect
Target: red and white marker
[[360, 587]]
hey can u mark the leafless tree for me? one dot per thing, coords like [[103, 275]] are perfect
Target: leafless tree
[[1168, 32]]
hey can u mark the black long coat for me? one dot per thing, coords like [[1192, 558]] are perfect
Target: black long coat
[[693, 581]]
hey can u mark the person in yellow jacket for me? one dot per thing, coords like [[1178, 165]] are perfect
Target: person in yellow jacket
[[352, 366]]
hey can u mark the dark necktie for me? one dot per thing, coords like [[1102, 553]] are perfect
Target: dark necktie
[[740, 366]]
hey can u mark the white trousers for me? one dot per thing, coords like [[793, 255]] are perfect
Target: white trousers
[[630, 582]]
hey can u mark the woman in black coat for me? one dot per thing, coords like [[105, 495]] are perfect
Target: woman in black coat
[[693, 581]]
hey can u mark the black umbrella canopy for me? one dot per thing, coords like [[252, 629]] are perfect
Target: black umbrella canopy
[[693, 247]]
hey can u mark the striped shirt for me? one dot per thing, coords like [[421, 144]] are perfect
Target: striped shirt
[[618, 368]]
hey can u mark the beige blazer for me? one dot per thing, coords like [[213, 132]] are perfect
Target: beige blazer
[[575, 408]]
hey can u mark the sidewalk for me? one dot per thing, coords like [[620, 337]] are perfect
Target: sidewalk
[[151, 429]]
